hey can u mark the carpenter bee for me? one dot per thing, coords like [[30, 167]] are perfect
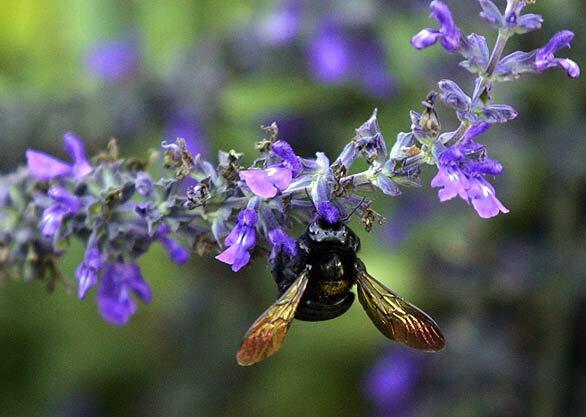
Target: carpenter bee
[[315, 285]]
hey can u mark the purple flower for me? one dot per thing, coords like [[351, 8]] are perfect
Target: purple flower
[[283, 23], [266, 183], [391, 381], [283, 150], [46, 167], [64, 204], [281, 241], [448, 34], [328, 211], [545, 58], [461, 173], [115, 300], [177, 253], [114, 60], [88, 271], [368, 141], [330, 53], [240, 240]]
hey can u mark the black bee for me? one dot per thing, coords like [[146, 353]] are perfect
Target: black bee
[[316, 284]]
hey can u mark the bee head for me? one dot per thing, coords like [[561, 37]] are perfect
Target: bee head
[[322, 231]]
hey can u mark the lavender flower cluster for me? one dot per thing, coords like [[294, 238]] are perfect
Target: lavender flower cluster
[[118, 210]]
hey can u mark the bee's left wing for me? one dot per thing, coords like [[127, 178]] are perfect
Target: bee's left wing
[[395, 317], [268, 332]]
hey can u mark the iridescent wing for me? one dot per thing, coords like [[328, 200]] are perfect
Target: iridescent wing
[[268, 332], [395, 317]]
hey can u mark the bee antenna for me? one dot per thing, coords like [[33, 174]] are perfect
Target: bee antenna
[[311, 200], [345, 219]]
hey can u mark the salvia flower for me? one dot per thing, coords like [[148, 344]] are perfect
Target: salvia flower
[[64, 204], [120, 281], [46, 167], [545, 59], [177, 253], [266, 183], [283, 150], [474, 111], [281, 241], [462, 170], [240, 241], [513, 21], [88, 271], [448, 34]]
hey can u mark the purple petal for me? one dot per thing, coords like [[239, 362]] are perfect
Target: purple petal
[[425, 38], [135, 281], [259, 183], [74, 146], [498, 113], [475, 131], [69, 203], [280, 177], [451, 35], [348, 155], [484, 200], [387, 185], [453, 183], [560, 40], [177, 253], [51, 220], [115, 304], [284, 151], [282, 241], [487, 167], [87, 272], [571, 68], [45, 167], [491, 13], [528, 23], [114, 296], [453, 95], [114, 301], [267, 182], [236, 256]]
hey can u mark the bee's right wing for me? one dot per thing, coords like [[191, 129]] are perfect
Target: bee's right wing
[[395, 317], [268, 332]]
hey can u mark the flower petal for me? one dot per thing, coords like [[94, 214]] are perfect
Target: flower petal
[[45, 167], [259, 182], [425, 38], [74, 146]]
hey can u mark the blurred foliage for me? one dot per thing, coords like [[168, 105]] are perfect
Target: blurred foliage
[[509, 292]]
